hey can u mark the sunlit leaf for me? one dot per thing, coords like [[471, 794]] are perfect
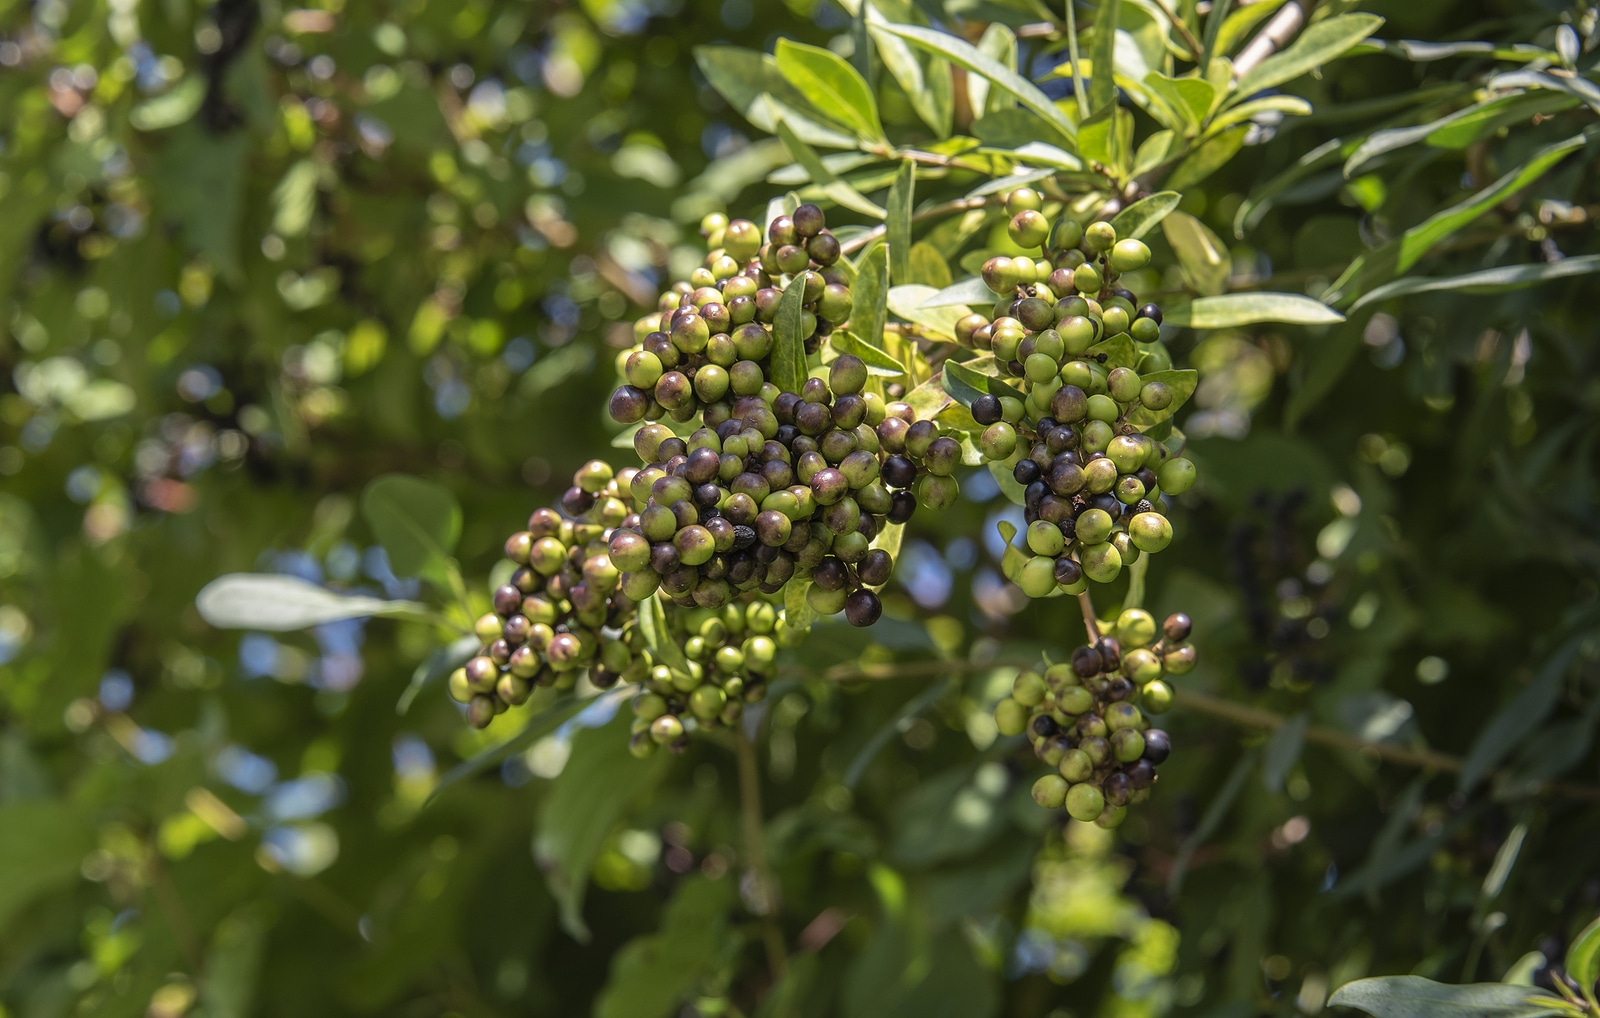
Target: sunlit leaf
[[1415, 997], [418, 523], [1322, 42], [274, 603], [831, 84], [788, 345], [1235, 309]]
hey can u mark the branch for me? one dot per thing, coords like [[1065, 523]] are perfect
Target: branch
[[1239, 714], [855, 244], [755, 847], [1274, 35], [1091, 625]]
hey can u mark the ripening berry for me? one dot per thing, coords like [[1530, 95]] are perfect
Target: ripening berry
[[1144, 330], [1094, 527], [1028, 228], [1000, 274], [1023, 199], [1101, 562], [1075, 766], [1141, 665], [1045, 538], [1050, 791], [1075, 700], [998, 441], [1086, 278]]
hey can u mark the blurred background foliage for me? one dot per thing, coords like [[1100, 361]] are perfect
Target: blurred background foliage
[[252, 257]]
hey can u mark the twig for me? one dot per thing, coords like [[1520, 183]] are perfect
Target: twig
[[755, 847], [1274, 35], [855, 244], [1195, 49], [1136, 573], [1239, 714]]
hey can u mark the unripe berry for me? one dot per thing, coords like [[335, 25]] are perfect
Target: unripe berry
[[1100, 236], [1023, 199], [1028, 228], [1129, 255], [1176, 475], [1084, 801], [1150, 532], [1050, 791], [1156, 697]]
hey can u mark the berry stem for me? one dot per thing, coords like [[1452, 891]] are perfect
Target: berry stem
[[1091, 624], [1136, 573], [755, 846]]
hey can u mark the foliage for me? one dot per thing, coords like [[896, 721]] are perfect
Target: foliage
[[332, 294]]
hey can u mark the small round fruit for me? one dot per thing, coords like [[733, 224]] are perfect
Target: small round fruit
[[666, 729], [1044, 538], [1028, 688], [1084, 801], [1156, 697], [1129, 255], [1094, 526], [1177, 626], [1112, 817], [1176, 475], [1141, 665], [1000, 274], [1029, 228], [1101, 562], [1038, 577], [1024, 199], [1010, 717], [1076, 766], [1151, 532], [1157, 746], [1127, 744], [1086, 278], [1136, 628], [1100, 236], [1050, 791]]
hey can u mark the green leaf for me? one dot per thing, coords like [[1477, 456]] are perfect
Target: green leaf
[[1506, 277], [906, 301], [1265, 196], [652, 975], [912, 708], [658, 636], [1235, 309], [1207, 159], [928, 265], [1215, 813], [1142, 216], [1182, 382], [199, 180], [1202, 256], [1578, 87], [1324, 41], [42, 845], [1283, 751], [870, 294], [878, 360], [274, 603], [929, 89], [1107, 138], [968, 292], [832, 86], [1583, 961], [797, 610], [1102, 56], [1400, 254], [1381, 142], [1189, 97], [1415, 997], [999, 43], [1239, 24], [963, 383], [441, 662], [544, 720], [964, 54], [832, 185], [1119, 352], [902, 196], [294, 200], [1009, 485], [927, 399], [172, 107], [1517, 720], [751, 84], [418, 523], [599, 785], [1288, 105], [788, 346]]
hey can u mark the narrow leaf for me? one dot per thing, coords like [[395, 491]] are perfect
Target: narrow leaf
[[972, 291], [751, 84], [1416, 997], [788, 345], [902, 196], [274, 603], [1283, 751], [963, 383], [834, 186], [1507, 277], [878, 361], [1142, 216], [870, 310], [1182, 382], [964, 54], [1102, 58], [436, 666], [928, 88], [1202, 256], [1322, 42], [417, 522], [1583, 961], [1235, 309], [657, 636], [894, 726], [1519, 718], [832, 86]]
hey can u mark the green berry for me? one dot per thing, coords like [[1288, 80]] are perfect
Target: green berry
[[1010, 717], [1044, 538], [1038, 578], [1123, 384], [1101, 562], [1084, 801], [1094, 526], [1100, 236], [1000, 274], [1136, 628], [1156, 697], [1028, 228], [1076, 766], [1150, 532], [1176, 475], [1112, 817], [1103, 408], [1075, 700], [1127, 744], [998, 441], [1028, 688], [1050, 791], [1023, 199], [1129, 255], [1155, 396], [1086, 278], [1141, 665], [1068, 233]]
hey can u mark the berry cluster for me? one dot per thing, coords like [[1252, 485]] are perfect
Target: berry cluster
[[1071, 429], [770, 455], [549, 619], [1088, 718]]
